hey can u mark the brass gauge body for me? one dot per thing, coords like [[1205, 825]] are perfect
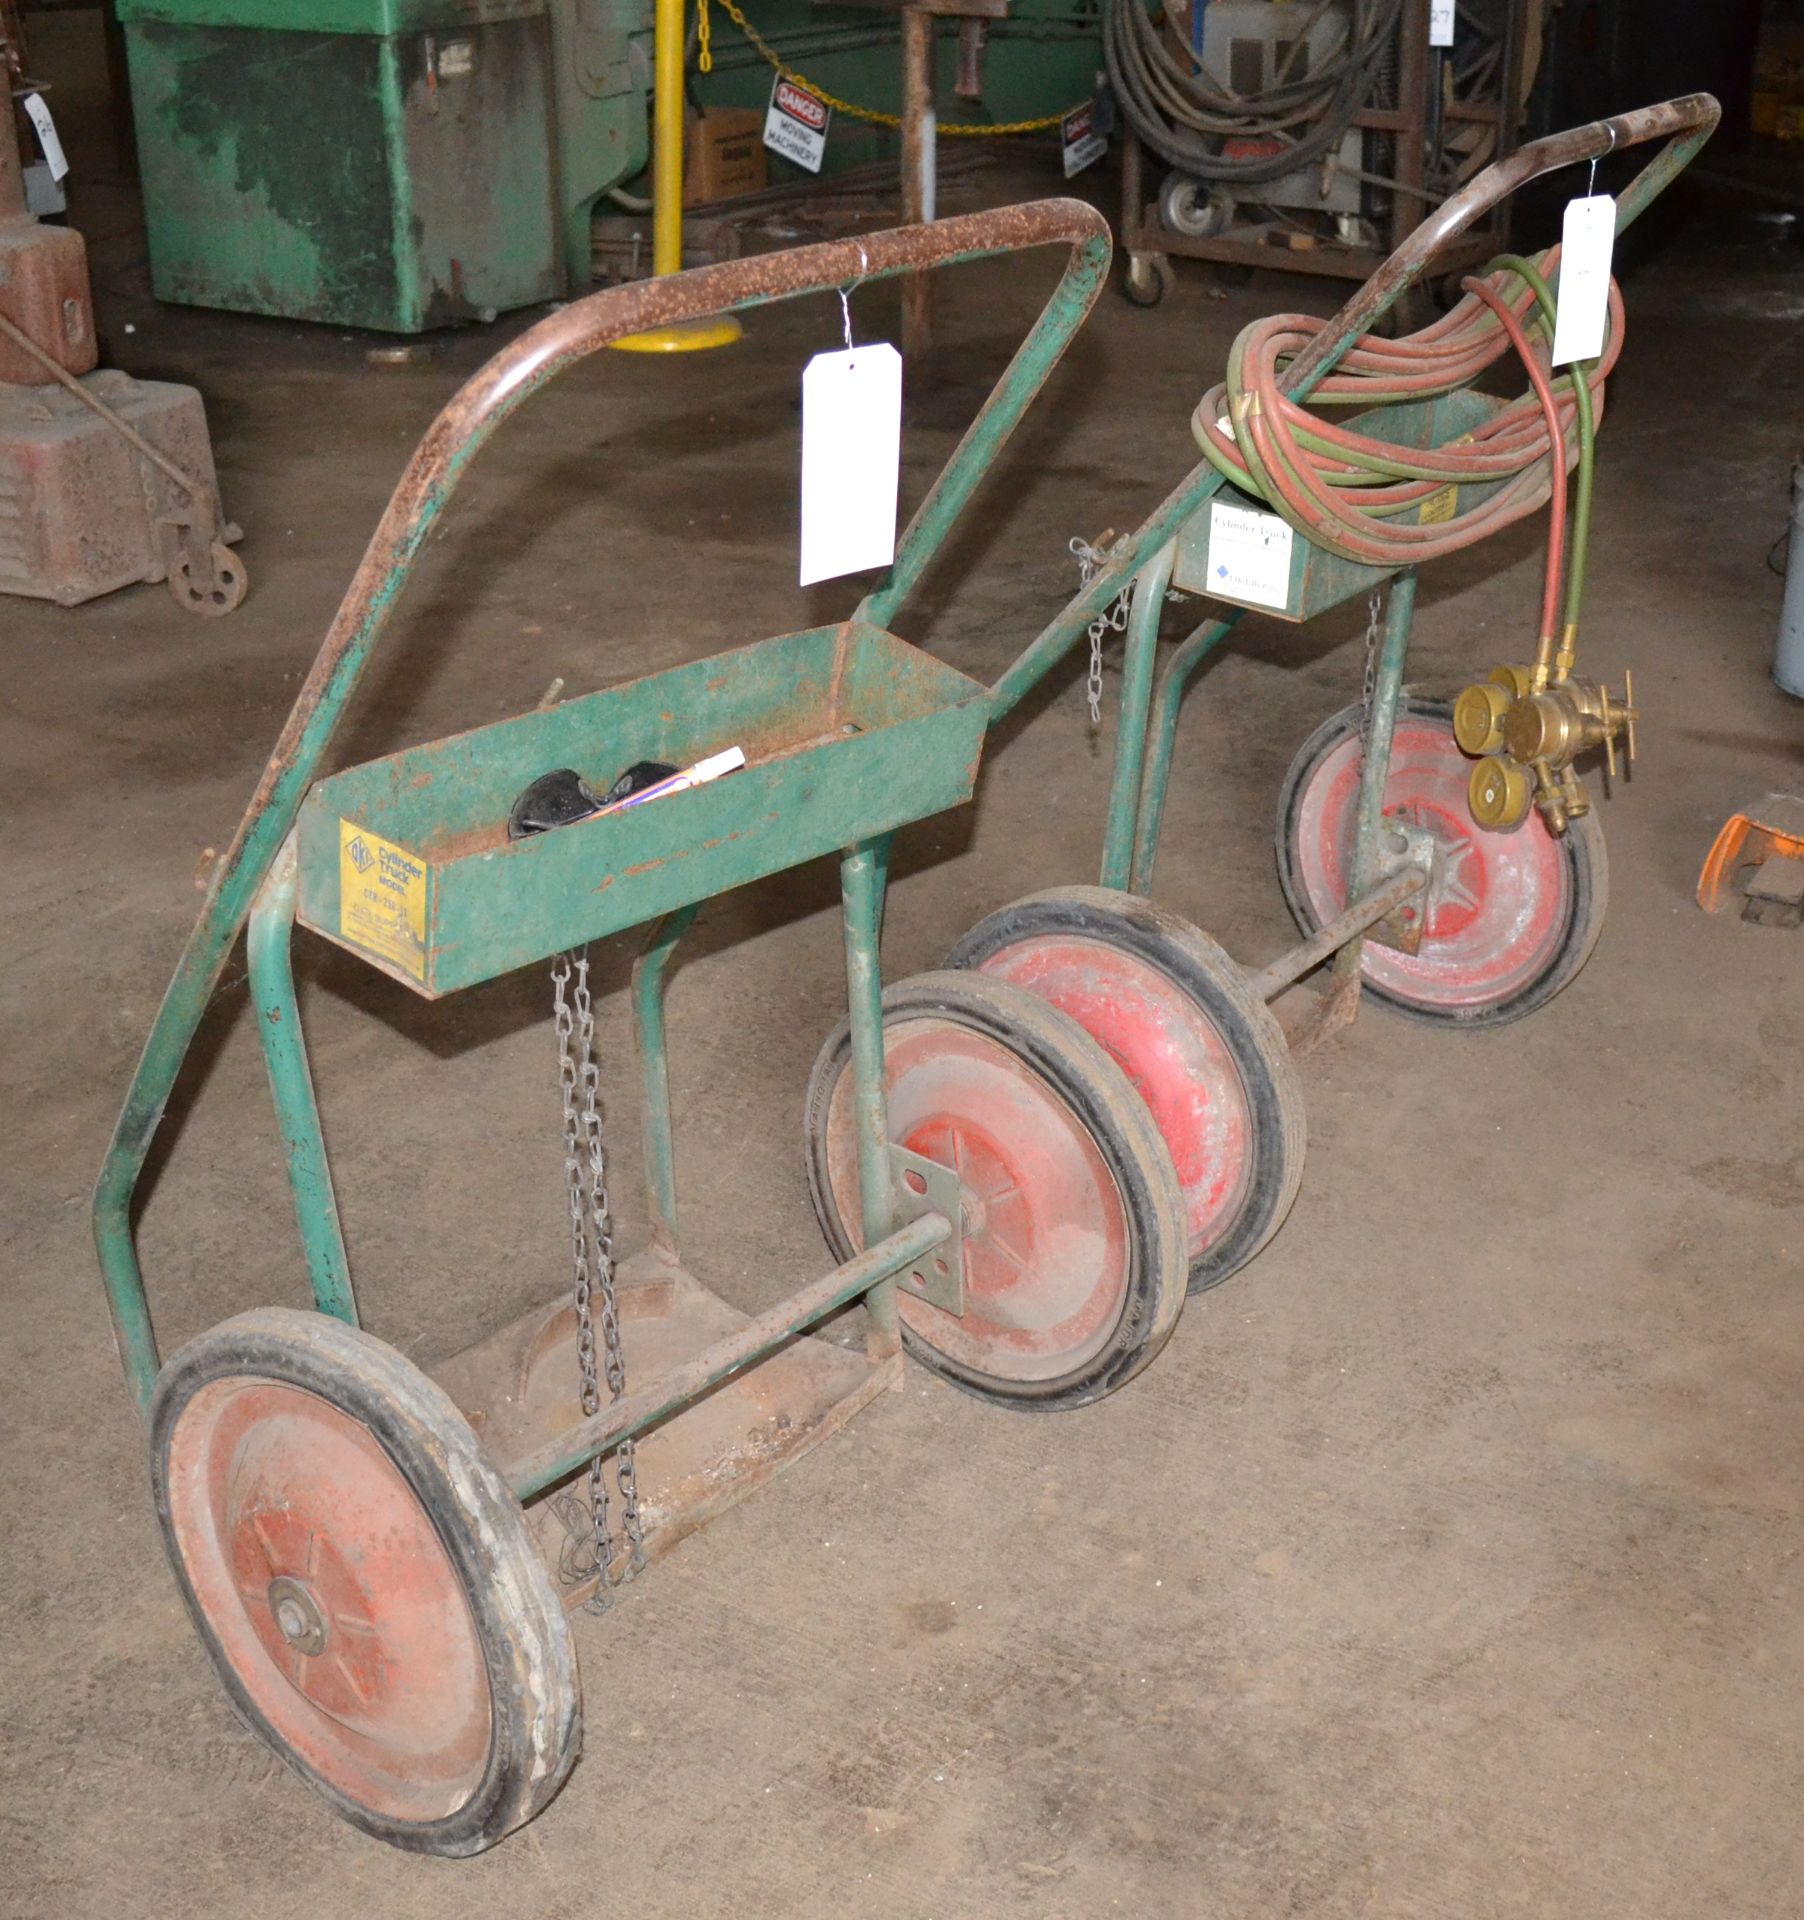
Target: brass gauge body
[[1525, 738]]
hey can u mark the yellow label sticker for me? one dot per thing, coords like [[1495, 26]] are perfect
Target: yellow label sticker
[[1438, 507], [382, 898]]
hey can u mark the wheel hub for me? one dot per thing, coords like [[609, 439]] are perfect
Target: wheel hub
[[1448, 886], [297, 1614]]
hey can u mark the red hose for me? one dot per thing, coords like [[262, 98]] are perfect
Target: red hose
[[1317, 487], [1550, 412]]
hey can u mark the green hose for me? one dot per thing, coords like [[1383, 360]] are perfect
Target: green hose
[[1578, 378]]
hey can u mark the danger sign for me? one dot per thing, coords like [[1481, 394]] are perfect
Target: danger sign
[[796, 125]]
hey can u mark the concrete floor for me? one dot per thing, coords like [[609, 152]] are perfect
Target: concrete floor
[[1446, 1561]]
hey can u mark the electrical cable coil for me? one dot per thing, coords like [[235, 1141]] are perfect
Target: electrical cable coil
[[1186, 116]]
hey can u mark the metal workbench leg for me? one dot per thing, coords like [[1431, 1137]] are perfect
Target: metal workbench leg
[[918, 174], [1150, 586], [649, 972], [270, 944], [1375, 764], [863, 871], [1155, 776]]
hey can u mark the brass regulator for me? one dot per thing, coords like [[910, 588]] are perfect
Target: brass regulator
[[1525, 727]]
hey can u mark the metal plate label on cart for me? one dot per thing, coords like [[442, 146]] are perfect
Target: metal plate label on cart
[[1249, 555], [1440, 505], [795, 125], [382, 898], [1440, 23]]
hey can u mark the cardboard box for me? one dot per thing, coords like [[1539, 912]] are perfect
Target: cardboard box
[[723, 154]]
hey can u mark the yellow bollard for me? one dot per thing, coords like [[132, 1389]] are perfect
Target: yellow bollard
[[667, 191]]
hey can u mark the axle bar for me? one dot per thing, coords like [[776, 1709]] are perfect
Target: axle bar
[[1288, 968], [630, 1415]]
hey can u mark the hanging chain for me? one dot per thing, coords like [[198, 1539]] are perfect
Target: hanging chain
[[592, 1257], [1374, 607], [1113, 619]]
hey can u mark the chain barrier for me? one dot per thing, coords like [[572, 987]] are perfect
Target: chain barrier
[[869, 115]]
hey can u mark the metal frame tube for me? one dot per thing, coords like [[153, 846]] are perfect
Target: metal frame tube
[[1155, 777], [270, 948], [649, 980], [1290, 967], [1150, 587], [633, 1413], [1375, 747], [863, 872]]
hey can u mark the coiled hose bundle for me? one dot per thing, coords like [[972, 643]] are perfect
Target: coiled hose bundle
[[1186, 117], [1347, 490]]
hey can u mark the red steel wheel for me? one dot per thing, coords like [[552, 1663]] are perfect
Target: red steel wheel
[[1203, 1051], [1512, 917], [1074, 1238], [364, 1580]]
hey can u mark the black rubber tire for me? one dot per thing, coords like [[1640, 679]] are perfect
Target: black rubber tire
[[535, 1695], [1081, 1075], [1583, 844], [1203, 971]]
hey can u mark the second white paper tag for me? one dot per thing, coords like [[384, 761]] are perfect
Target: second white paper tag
[[851, 460], [1587, 239]]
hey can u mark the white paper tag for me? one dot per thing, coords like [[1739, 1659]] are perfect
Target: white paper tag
[[1249, 555], [795, 124], [1440, 23], [39, 114], [851, 460], [1586, 240], [1081, 139]]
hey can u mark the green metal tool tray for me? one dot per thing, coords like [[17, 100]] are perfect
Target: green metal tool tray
[[848, 732], [1320, 579]]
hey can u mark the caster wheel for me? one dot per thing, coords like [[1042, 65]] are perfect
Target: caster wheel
[[1231, 273], [222, 593], [1149, 278], [1074, 1236], [1192, 208], [1204, 1053], [363, 1580], [1512, 917]]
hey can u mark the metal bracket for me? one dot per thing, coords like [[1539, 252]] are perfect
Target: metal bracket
[[1403, 845], [924, 1186]]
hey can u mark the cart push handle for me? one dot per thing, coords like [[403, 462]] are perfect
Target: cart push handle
[[1685, 124], [519, 370]]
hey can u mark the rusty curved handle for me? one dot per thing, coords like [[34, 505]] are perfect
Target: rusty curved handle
[[519, 370], [1685, 124]]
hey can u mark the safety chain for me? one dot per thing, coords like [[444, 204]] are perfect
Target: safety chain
[[1368, 686], [1113, 619], [592, 1255], [870, 115]]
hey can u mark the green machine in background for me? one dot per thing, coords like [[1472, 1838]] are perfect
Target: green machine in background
[[408, 164], [399, 164]]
